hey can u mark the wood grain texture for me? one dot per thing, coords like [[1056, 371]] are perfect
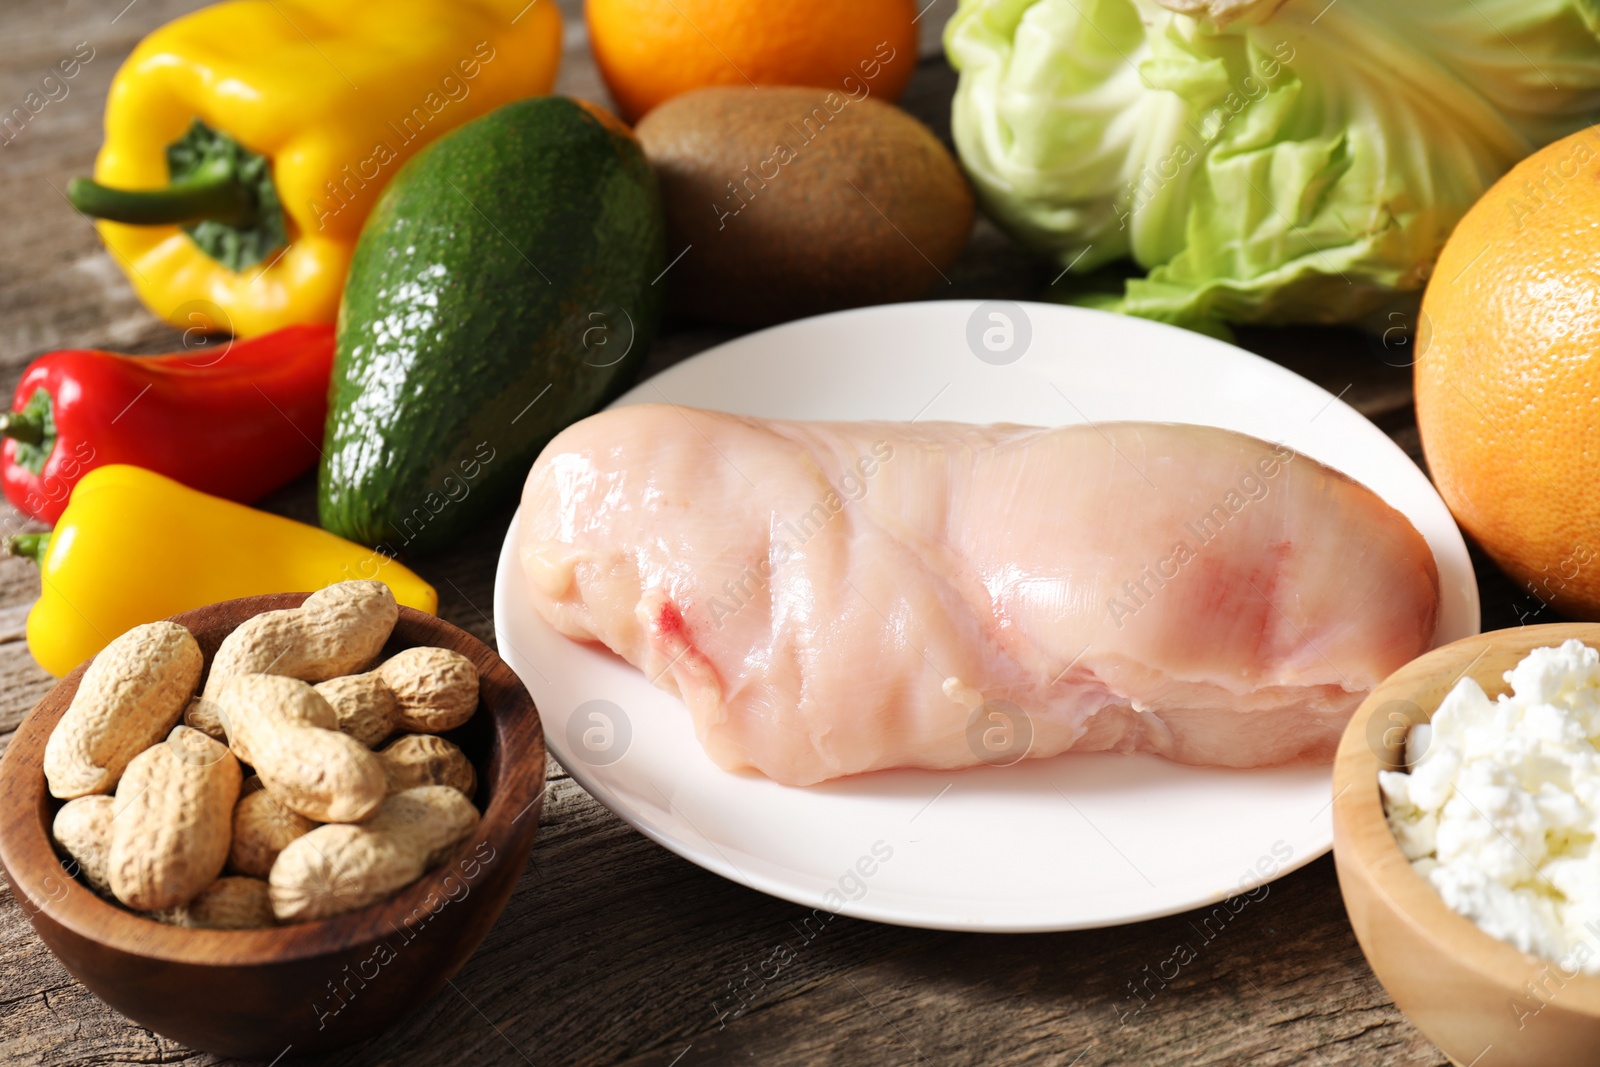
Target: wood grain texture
[[611, 949], [308, 985]]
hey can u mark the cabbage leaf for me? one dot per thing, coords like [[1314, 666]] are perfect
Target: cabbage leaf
[[1263, 160]]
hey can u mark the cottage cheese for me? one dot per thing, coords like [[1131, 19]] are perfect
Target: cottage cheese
[[1501, 807]]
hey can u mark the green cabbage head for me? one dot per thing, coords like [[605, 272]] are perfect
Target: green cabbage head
[[1264, 160]]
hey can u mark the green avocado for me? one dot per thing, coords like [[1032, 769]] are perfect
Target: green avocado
[[501, 290]]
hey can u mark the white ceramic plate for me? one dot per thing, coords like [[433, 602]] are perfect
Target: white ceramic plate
[[1065, 843]]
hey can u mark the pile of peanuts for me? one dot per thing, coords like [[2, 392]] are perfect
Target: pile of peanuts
[[158, 811]]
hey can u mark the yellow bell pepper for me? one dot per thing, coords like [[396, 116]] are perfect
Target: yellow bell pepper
[[246, 142], [134, 546]]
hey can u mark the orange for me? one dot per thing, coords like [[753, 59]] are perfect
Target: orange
[[651, 50], [1508, 378]]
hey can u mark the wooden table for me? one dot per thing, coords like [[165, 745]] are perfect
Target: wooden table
[[613, 950]]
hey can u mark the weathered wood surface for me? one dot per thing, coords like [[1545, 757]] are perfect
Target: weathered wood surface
[[612, 950]]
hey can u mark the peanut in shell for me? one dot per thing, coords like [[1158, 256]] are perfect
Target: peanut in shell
[[172, 821], [339, 868], [82, 829], [128, 699], [338, 630], [289, 734]]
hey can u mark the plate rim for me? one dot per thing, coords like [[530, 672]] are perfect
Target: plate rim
[[711, 860]]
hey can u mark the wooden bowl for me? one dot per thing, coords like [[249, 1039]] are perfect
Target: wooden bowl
[[1482, 1001], [309, 986]]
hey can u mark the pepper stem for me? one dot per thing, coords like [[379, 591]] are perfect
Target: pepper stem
[[212, 192], [25, 426], [220, 193], [31, 545]]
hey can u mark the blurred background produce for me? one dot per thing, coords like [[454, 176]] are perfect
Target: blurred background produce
[[246, 143], [802, 227], [1508, 383], [237, 421], [133, 547], [649, 51], [1265, 162]]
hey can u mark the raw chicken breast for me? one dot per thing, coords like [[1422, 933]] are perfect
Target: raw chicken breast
[[833, 598]]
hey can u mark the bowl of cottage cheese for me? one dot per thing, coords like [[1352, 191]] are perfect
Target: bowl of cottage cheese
[[1466, 816]]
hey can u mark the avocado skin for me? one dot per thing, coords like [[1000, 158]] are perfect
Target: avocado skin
[[492, 295]]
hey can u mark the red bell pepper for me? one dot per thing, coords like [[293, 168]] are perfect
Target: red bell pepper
[[235, 421]]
